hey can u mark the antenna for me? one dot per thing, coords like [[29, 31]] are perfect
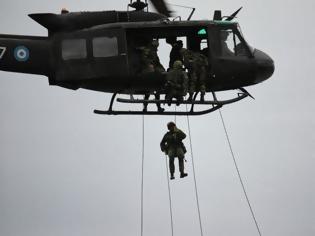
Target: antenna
[[231, 17], [192, 8]]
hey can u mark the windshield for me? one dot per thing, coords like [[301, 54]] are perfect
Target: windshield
[[232, 45], [241, 33]]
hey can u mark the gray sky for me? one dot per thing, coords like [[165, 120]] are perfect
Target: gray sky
[[66, 171]]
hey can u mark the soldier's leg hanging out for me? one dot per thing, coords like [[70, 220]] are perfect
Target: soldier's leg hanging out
[[172, 166], [181, 164]]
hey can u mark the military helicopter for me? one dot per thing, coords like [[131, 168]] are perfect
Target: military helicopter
[[98, 51]]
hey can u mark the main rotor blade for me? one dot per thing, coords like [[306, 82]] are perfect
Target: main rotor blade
[[231, 17], [161, 7]]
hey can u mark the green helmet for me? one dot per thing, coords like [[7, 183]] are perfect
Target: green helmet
[[170, 125], [178, 65]]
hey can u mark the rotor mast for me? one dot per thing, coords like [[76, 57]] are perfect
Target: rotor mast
[[138, 5]]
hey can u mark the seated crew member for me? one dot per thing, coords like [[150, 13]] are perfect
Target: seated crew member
[[172, 145]]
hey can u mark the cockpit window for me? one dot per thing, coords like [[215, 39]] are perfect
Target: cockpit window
[[231, 45]]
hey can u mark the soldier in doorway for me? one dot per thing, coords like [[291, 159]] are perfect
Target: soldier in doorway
[[197, 64], [175, 54], [151, 63], [200, 67], [158, 67], [176, 83]]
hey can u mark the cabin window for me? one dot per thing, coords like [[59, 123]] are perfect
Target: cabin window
[[74, 49], [105, 47], [231, 44]]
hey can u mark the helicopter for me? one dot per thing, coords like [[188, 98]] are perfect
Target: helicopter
[[98, 51]]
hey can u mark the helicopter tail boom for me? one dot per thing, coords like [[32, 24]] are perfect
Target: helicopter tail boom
[[25, 54]]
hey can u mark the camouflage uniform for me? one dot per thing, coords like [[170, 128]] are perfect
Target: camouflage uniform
[[158, 105], [176, 82], [173, 146], [196, 63], [155, 58], [151, 63], [150, 59], [200, 65], [188, 60], [146, 61]]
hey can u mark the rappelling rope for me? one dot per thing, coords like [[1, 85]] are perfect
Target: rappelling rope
[[195, 180], [175, 117], [142, 182], [239, 174], [142, 172], [169, 195]]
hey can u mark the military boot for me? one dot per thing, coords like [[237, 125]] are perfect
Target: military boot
[[202, 97], [168, 99], [190, 98], [172, 176], [160, 109], [179, 100], [183, 175], [145, 107]]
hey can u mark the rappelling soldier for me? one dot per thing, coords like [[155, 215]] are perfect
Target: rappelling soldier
[[176, 83], [173, 146]]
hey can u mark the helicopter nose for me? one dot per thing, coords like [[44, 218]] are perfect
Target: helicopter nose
[[265, 65]]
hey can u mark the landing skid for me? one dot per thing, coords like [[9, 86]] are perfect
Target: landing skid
[[213, 105], [165, 113]]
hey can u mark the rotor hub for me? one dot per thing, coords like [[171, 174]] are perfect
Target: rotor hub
[[138, 5]]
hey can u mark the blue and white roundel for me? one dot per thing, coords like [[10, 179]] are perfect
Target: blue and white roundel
[[21, 53]]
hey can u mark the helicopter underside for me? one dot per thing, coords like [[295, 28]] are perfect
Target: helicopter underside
[[205, 106], [153, 84]]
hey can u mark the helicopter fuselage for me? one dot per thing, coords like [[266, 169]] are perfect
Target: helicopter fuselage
[[106, 57]]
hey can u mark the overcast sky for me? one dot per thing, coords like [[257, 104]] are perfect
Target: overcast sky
[[66, 171]]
